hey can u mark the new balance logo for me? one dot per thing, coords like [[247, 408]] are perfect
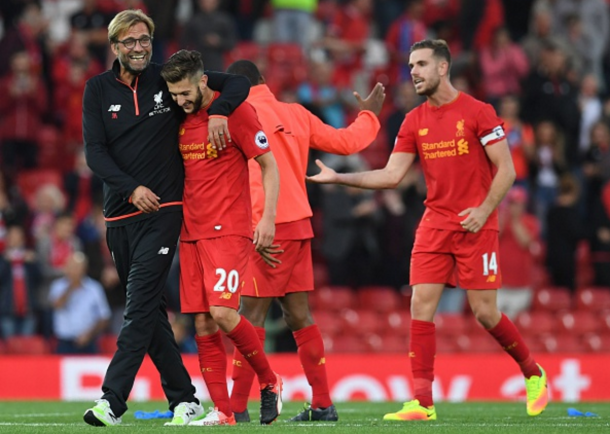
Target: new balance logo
[[163, 251], [115, 108]]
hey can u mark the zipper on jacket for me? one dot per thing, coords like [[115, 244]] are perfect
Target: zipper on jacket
[[135, 93]]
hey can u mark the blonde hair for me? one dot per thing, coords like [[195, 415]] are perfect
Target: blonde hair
[[124, 20]]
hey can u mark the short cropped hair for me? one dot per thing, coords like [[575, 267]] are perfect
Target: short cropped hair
[[439, 48], [247, 69], [182, 64], [124, 20]]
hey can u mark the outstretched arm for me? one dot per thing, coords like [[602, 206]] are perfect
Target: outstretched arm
[[388, 177]]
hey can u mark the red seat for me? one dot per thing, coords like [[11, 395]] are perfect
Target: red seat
[[593, 298], [579, 322], [534, 343], [334, 298], [563, 343], [286, 54], [328, 322], [553, 299], [107, 344], [245, 50], [347, 344], [597, 342], [30, 345], [446, 344], [477, 344], [363, 321], [320, 275], [398, 322], [394, 344], [450, 324], [536, 322], [382, 299]]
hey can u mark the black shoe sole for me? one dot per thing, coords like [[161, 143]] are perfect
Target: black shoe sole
[[90, 418]]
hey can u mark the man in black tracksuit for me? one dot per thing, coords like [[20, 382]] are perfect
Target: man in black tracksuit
[[130, 128]]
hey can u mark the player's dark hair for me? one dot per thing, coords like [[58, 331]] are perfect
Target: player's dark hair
[[181, 65], [439, 48], [247, 69]]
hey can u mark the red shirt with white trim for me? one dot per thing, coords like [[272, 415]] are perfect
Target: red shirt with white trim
[[450, 141], [216, 184]]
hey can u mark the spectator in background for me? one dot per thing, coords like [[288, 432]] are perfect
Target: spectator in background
[[351, 218], [503, 66], [404, 32], [91, 22], [82, 187], [549, 165], [591, 110], [163, 13], [405, 99], [478, 19], [596, 168], [321, 95], [55, 250], [293, 20], [80, 309], [23, 103], [519, 239], [599, 238], [211, 32], [550, 94], [346, 40], [246, 14], [13, 210], [520, 137], [49, 202], [19, 282], [564, 231]]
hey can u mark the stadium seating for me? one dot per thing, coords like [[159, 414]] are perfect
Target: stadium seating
[[29, 181], [578, 323], [328, 322], [382, 299], [27, 345], [593, 298], [334, 298], [285, 54], [537, 322], [477, 344], [450, 325], [347, 344], [552, 299], [597, 342], [398, 322], [445, 344], [362, 321], [562, 343]]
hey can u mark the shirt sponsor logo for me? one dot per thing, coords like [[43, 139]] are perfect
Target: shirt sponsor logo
[[198, 151], [115, 108], [423, 131], [460, 128], [261, 140], [159, 107], [444, 149], [462, 147]]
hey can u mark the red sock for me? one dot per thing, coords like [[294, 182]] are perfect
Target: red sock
[[311, 354], [213, 363], [246, 341], [512, 342], [243, 376], [422, 349]]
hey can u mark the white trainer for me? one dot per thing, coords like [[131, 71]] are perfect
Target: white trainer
[[185, 413], [101, 414], [215, 417]]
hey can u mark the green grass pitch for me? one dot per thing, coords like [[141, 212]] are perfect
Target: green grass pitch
[[360, 417]]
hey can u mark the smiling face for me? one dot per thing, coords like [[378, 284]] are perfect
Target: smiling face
[[426, 71], [189, 93], [133, 61]]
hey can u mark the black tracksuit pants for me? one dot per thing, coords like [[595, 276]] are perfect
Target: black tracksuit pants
[[143, 253]]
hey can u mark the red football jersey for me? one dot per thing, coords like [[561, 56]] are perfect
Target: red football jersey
[[216, 183], [450, 142]]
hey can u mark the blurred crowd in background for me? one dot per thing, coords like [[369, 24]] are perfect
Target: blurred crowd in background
[[543, 64]]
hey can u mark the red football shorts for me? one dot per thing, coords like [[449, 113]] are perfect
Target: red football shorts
[[212, 272], [294, 274], [439, 256]]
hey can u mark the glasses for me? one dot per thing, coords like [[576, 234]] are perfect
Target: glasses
[[130, 43]]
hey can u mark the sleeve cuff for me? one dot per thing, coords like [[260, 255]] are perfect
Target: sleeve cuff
[[218, 117]]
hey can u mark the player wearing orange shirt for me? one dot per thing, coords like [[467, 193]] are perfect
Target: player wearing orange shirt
[[468, 169], [216, 238], [292, 131]]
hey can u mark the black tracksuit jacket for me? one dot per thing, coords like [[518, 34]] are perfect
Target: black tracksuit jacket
[[131, 136]]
